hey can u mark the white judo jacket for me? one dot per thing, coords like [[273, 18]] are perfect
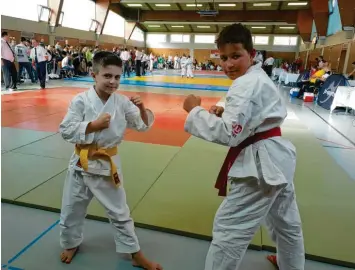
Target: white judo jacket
[[253, 104], [87, 107]]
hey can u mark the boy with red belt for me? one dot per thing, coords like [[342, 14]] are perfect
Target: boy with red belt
[[260, 165]]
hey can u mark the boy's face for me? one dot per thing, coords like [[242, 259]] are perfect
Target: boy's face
[[235, 60], [107, 79]]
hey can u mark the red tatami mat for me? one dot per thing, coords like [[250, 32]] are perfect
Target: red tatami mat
[[44, 110]]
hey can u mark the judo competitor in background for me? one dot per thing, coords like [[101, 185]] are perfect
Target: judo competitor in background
[[151, 62], [260, 164], [183, 63], [189, 72], [95, 122], [176, 62]]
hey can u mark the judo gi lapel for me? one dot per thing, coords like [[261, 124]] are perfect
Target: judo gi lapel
[[95, 102]]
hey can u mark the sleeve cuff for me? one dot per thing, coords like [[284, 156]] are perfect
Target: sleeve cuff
[[189, 120], [86, 138], [151, 118]]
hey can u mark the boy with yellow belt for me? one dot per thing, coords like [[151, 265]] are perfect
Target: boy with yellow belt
[[95, 122]]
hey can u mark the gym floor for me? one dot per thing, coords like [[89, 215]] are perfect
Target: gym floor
[[170, 183]]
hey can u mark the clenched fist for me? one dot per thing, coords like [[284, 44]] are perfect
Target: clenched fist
[[191, 102], [217, 110], [136, 100], [103, 121]]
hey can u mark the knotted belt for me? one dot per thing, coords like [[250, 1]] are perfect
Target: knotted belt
[[92, 152], [233, 153]]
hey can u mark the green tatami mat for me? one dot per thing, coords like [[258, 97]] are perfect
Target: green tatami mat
[[142, 164], [12, 138], [53, 146], [325, 196], [184, 198], [21, 173]]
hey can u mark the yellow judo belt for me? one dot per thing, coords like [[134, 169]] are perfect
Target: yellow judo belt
[[92, 152]]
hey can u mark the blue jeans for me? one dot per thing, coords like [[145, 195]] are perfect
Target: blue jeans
[[28, 67]]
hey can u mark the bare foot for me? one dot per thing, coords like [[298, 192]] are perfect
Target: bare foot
[[68, 254], [138, 260]]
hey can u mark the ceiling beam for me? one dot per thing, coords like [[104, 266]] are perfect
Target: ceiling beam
[[149, 6], [191, 29], [320, 12], [166, 28], [244, 6], [304, 24], [179, 6], [56, 7], [289, 16], [128, 14], [347, 12], [101, 13], [280, 5], [217, 28]]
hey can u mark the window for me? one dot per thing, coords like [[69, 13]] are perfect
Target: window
[[179, 38], [114, 25], [205, 39], [287, 41], [156, 38], [137, 34], [78, 14], [24, 9], [261, 40]]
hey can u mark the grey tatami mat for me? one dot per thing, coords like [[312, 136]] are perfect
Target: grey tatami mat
[[30, 240]]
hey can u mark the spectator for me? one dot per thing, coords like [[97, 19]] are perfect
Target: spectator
[[22, 52], [39, 56], [7, 63]]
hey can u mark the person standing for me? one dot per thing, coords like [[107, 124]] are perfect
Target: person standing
[[39, 56], [22, 53], [139, 56], [8, 63], [125, 57]]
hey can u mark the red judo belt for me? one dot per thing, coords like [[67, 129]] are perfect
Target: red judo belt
[[233, 153]]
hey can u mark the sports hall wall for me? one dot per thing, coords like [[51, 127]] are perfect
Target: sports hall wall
[[337, 49], [16, 28], [202, 51]]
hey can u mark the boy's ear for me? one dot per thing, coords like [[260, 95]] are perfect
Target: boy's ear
[[93, 74], [253, 53]]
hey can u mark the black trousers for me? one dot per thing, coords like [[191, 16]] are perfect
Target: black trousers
[[41, 73], [10, 74], [138, 67]]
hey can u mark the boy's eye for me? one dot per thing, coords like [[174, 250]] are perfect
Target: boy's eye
[[107, 76], [223, 58], [118, 77], [235, 56]]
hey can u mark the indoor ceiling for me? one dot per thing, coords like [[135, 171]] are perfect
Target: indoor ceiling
[[181, 16]]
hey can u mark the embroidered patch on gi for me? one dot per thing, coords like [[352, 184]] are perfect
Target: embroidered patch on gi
[[116, 178], [78, 164], [236, 129]]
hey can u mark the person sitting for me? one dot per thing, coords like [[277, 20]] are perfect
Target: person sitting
[[315, 81], [67, 64]]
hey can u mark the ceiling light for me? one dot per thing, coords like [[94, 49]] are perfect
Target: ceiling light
[[203, 26], [154, 26], [194, 5], [226, 5], [162, 5], [134, 5], [297, 4], [258, 27], [262, 4], [177, 26], [287, 27]]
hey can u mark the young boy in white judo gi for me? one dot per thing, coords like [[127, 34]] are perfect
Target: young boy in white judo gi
[[95, 122], [183, 63], [260, 164], [189, 72]]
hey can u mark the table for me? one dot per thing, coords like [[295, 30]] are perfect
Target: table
[[288, 77], [344, 97]]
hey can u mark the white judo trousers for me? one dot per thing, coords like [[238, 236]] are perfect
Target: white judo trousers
[[81, 186], [233, 229], [79, 189], [189, 72], [261, 177]]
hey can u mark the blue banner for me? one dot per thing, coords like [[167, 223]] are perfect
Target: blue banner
[[327, 91]]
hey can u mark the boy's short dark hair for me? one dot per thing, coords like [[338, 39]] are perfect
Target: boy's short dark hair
[[3, 34], [104, 59], [23, 39], [235, 33]]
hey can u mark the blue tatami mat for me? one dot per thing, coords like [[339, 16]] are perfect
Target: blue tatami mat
[[160, 84]]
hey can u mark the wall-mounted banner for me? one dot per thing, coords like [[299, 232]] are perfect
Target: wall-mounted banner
[[214, 54]]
